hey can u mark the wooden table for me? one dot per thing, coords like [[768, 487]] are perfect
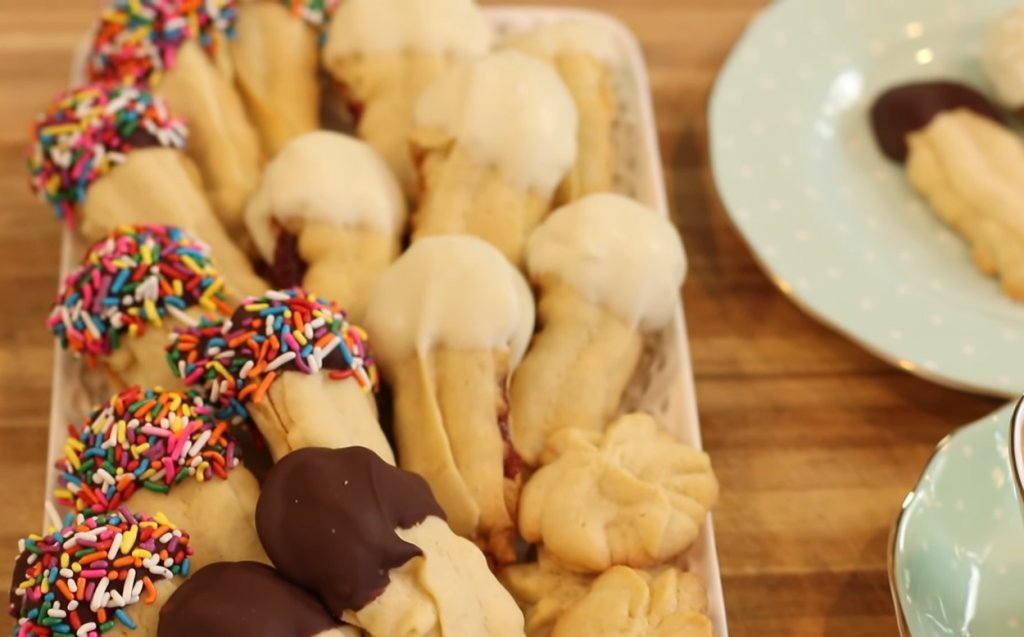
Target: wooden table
[[815, 441]]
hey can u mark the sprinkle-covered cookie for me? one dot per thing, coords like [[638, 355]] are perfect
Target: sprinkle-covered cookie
[[139, 39], [139, 275], [315, 12], [88, 131], [292, 330], [81, 579], [143, 440]]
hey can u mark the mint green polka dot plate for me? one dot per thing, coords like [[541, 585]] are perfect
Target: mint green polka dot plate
[[957, 551], [830, 219]]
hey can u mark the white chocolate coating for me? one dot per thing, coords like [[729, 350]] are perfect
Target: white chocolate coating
[[326, 177], [571, 36], [1003, 58], [508, 110], [621, 255], [455, 291], [402, 26]]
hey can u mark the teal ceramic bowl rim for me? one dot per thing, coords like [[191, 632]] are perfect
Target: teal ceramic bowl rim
[[1016, 452], [1016, 435], [890, 561], [894, 532]]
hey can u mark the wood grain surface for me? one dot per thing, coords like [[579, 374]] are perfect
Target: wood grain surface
[[815, 441]]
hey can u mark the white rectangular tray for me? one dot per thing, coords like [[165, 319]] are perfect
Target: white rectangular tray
[[663, 386]]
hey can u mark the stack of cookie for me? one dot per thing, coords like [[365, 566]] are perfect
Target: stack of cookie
[[420, 334]]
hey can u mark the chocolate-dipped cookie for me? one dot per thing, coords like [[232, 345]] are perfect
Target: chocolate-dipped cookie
[[451, 320], [132, 289], [107, 155], [280, 83], [104, 575], [968, 165], [245, 599], [372, 542], [179, 51], [294, 363], [155, 450], [328, 216], [350, 506], [908, 108], [382, 54]]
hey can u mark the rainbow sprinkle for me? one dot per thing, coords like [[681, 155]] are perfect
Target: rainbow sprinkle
[[315, 12], [149, 439], [78, 581], [137, 276], [139, 39], [88, 131], [236, 361]]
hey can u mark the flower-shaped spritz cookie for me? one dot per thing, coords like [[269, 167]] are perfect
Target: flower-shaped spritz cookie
[[625, 602], [622, 601], [632, 496]]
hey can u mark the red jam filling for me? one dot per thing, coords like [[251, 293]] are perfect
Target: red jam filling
[[513, 463]]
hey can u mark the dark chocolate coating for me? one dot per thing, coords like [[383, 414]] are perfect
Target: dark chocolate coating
[[327, 519], [242, 599], [20, 572], [905, 109], [141, 138], [288, 268], [254, 448]]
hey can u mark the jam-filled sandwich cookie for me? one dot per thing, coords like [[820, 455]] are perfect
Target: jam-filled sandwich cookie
[[164, 451], [246, 599], [608, 272], [328, 216], [106, 155], [292, 362], [179, 50], [276, 56], [493, 140], [585, 56], [450, 321], [133, 288], [968, 166], [106, 575], [621, 602], [383, 53], [371, 541]]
